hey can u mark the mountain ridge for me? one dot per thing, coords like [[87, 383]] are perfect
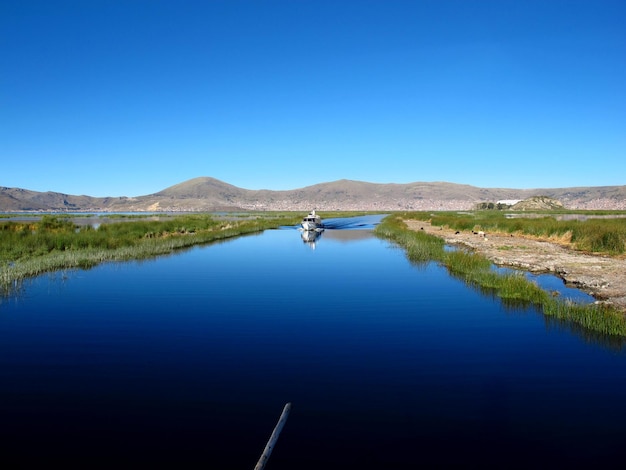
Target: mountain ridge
[[210, 194]]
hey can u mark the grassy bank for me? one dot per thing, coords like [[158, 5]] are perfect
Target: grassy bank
[[31, 248], [606, 236], [513, 288]]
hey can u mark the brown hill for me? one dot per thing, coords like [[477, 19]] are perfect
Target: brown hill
[[210, 194], [199, 188], [537, 203], [16, 199]]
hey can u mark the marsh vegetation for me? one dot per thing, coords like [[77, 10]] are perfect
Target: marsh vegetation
[[29, 248], [595, 235], [52, 243], [476, 270]]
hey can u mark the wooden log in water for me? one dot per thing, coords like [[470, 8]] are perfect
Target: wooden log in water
[[271, 443]]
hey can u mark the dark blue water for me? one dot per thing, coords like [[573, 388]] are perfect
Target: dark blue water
[[187, 361]]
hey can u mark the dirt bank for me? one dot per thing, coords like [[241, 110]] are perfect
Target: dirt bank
[[601, 276]]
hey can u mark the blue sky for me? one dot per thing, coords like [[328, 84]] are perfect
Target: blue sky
[[112, 98]]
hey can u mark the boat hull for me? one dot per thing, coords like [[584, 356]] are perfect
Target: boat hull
[[310, 226]]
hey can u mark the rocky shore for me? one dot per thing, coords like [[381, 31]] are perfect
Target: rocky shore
[[601, 276]]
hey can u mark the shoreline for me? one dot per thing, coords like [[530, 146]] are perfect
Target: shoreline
[[603, 277]]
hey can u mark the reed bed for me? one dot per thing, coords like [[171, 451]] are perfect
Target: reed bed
[[605, 236], [476, 271], [32, 248]]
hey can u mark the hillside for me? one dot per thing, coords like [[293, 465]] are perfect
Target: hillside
[[537, 203], [210, 194]]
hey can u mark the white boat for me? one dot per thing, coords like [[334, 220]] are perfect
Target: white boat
[[312, 222]]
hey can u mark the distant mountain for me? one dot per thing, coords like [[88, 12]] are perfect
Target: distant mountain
[[210, 194], [16, 199]]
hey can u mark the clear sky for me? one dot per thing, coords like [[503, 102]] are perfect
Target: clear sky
[[128, 97]]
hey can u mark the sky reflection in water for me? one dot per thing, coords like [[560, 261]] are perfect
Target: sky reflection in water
[[189, 359]]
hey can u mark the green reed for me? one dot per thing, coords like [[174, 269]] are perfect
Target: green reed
[[30, 249], [606, 236], [513, 288], [420, 247]]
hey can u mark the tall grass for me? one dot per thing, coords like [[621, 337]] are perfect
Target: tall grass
[[419, 246], [606, 236], [30, 249], [476, 271]]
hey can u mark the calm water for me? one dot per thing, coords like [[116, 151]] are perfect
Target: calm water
[[189, 359]]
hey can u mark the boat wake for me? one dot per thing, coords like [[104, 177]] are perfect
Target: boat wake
[[366, 222], [340, 229]]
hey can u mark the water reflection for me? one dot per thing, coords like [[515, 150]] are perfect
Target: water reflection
[[188, 359], [612, 342], [309, 237], [552, 284], [344, 229]]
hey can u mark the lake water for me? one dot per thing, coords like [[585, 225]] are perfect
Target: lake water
[[187, 361]]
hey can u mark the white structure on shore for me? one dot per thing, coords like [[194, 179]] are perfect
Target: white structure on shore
[[508, 202]]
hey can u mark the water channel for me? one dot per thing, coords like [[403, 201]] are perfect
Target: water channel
[[188, 359]]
